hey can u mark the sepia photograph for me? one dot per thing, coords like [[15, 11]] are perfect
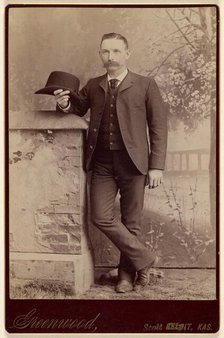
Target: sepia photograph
[[100, 99]]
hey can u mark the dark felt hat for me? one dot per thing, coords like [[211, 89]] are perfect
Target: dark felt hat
[[61, 80]]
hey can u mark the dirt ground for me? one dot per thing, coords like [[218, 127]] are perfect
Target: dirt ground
[[175, 284], [179, 284]]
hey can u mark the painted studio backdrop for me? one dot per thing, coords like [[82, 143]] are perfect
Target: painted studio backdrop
[[175, 45]]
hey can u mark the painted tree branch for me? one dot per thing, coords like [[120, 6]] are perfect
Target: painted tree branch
[[164, 39], [176, 31], [193, 11], [163, 62], [178, 27]]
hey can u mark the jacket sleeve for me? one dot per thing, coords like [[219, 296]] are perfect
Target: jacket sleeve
[[157, 126], [80, 105]]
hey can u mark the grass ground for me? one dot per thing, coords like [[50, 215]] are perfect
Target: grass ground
[[176, 284]]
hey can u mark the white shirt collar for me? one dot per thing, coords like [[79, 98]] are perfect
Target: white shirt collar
[[120, 77]]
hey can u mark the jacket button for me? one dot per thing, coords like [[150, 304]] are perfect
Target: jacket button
[[95, 129], [91, 147]]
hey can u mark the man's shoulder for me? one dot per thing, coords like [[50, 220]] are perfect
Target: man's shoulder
[[97, 79], [142, 78], [144, 82]]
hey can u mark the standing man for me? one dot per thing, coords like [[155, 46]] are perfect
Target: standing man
[[123, 105]]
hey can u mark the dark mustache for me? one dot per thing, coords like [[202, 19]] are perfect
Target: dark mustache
[[111, 63]]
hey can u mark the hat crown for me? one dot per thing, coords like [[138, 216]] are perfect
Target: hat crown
[[63, 80]]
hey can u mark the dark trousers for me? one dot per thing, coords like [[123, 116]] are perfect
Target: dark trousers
[[114, 171]]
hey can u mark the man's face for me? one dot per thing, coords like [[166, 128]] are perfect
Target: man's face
[[114, 54]]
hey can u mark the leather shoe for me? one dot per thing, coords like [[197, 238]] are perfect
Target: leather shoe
[[143, 277], [123, 286]]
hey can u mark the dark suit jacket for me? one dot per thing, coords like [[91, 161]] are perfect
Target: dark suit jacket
[[139, 104]]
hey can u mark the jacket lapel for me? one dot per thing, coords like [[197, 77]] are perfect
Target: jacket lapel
[[127, 82], [103, 83]]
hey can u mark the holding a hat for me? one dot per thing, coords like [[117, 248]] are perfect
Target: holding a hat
[[123, 106], [58, 80]]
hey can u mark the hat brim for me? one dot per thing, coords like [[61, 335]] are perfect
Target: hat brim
[[50, 91]]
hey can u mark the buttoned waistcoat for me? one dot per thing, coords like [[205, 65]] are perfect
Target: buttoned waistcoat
[[139, 108]]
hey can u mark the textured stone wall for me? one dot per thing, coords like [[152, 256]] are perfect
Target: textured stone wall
[[47, 201], [47, 191]]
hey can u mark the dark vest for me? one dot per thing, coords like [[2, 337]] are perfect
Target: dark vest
[[109, 137]]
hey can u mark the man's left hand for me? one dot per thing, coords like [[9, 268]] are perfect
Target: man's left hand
[[155, 178]]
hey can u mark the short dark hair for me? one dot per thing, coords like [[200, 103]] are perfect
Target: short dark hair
[[114, 36]]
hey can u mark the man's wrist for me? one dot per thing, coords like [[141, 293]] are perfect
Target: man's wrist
[[66, 109]]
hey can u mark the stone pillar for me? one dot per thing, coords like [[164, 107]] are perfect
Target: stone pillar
[[47, 203]]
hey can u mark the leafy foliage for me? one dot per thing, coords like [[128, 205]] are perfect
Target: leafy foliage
[[195, 243], [187, 73]]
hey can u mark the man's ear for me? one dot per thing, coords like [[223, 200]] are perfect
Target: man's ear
[[128, 53]]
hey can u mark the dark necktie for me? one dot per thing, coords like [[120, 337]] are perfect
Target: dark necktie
[[113, 83]]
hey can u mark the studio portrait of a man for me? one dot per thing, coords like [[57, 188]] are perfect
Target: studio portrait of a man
[[121, 159]]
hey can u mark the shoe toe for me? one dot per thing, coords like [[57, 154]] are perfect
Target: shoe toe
[[124, 286], [143, 279]]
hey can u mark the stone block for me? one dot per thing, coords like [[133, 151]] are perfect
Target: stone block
[[55, 238], [46, 210], [67, 220], [75, 236], [46, 174], [73, 270], [42, 218], [47, 228], [42, 270], [72, 229], [59, 248], [75, 249], [64, 209]]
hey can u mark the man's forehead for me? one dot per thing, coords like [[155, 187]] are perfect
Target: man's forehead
[[111, 43]]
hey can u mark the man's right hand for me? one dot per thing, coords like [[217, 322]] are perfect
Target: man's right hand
[[62, 97]]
